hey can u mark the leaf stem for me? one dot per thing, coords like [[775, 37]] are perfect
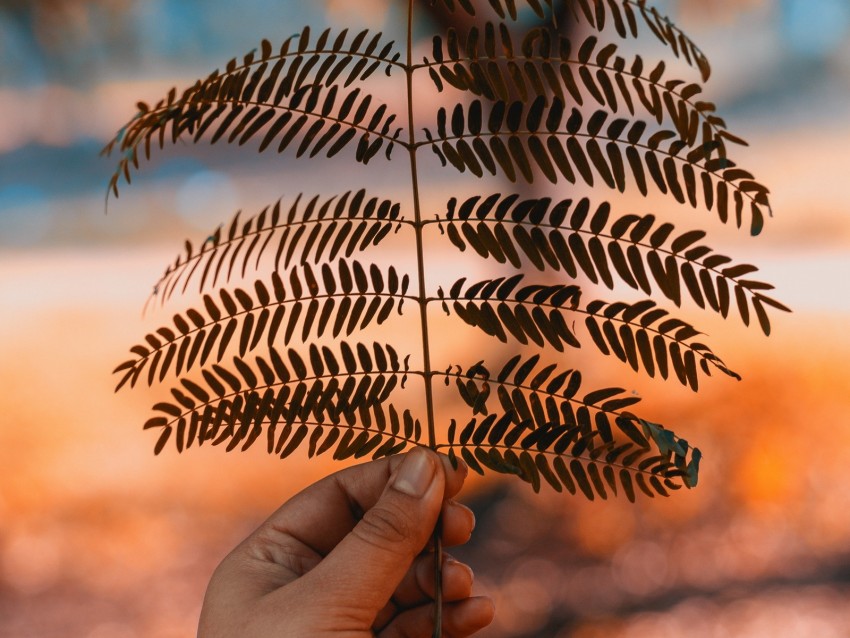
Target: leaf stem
[[423, 311], [422, 299]]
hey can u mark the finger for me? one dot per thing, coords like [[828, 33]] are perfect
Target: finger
[[457, 524], [374, 558], [321, 515], [417, 587], [460, 619]]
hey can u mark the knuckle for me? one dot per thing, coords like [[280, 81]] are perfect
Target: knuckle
[[273, 545], [386, 527]]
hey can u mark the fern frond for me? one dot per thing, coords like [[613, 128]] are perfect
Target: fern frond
[[596, 13], [542, 406], [319, 125], [322, 229], [644, 335], [582, 240], [561, 456], [530, 314], [504, 8], [350, 299], [240, 424], [305, 102], [623, 15], [631, 332], [523, 138], [235, 406], [547, 396], [545, 64]]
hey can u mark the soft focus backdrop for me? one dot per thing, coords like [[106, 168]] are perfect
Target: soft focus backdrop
[[100, 539]]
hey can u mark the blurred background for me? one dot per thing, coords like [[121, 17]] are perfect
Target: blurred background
[[100, 539]]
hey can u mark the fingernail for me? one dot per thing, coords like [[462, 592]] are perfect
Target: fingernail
[[452, 564], [415, 473]]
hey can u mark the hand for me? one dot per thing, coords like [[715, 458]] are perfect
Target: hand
[[347, 557]]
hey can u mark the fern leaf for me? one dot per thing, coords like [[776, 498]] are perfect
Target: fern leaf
[[646, 336], [352, 298], [321, 118], [582, 240], [528, 314], [235, 406], [242, 422], [549, 396], [299, 93], [561, 456], [541, 410], [623, 14], [542, 407], [634, 333], [306, 233], [529, 418], [547, 64], [520, 134], [504, 8]]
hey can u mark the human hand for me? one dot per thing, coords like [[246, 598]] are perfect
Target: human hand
[[347, 557]]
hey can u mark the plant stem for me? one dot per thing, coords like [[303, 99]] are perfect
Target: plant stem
[[423, 313], [438, 579], [418, 231]]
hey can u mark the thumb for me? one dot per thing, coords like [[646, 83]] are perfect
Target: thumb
[[374, 557]]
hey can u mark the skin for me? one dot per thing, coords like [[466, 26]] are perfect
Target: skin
[[348, 557]]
